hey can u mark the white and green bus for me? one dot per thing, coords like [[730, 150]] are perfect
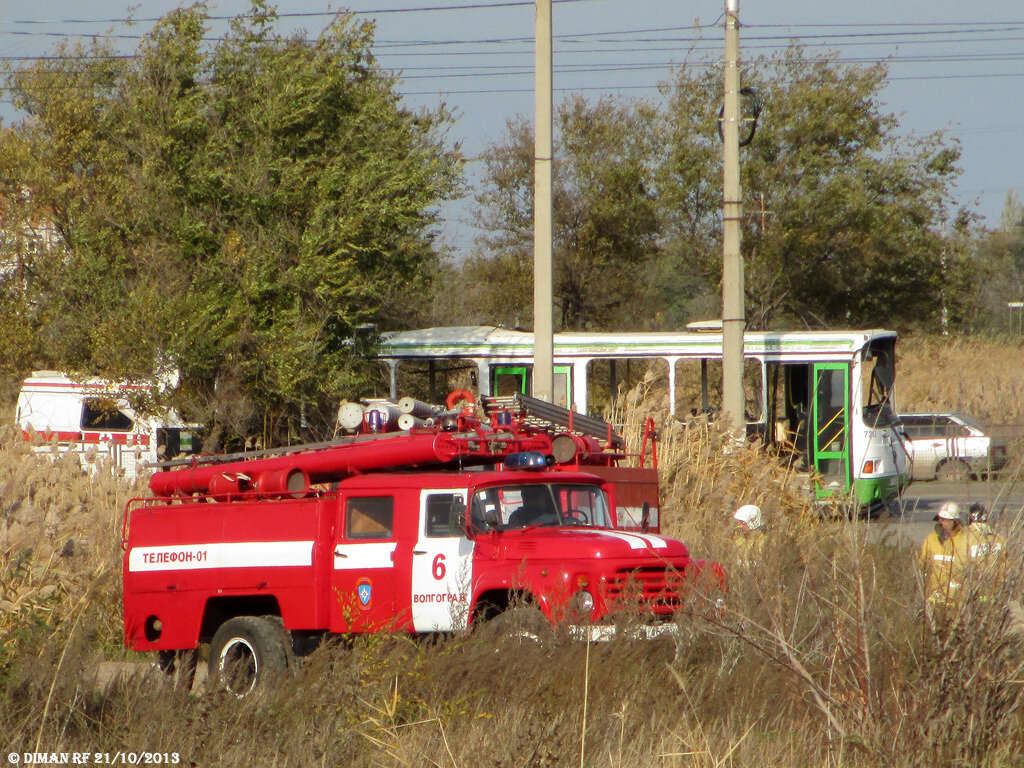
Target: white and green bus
[[826, 396]]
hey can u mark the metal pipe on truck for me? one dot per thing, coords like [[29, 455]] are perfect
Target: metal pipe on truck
[[340, 461], [417, 408]]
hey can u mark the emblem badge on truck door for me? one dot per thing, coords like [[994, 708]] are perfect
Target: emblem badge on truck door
[[364, 590]]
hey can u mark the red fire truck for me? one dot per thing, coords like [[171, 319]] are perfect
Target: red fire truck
[[435, 529]]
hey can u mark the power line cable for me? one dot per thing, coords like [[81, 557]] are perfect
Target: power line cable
[[483, 70], [479, 70], [308, 14], [948, 28], [382, 51], [859, 25], [569, 89]]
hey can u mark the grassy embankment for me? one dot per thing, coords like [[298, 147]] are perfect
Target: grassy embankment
[[822, 657]]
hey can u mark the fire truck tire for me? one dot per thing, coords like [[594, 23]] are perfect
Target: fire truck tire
[[245, 653], [520, 622]]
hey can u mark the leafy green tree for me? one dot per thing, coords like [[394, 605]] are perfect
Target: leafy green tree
[[843, 224], [605, 216], [844, 216], [234, 211], [999, 269], [21, 243]]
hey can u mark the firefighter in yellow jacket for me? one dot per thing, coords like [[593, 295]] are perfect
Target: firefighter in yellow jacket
[[944, 557], [985, 543], [750, 535], [988, 554]]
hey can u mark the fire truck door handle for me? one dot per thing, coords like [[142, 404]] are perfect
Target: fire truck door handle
[[419, 551], [339, 554]]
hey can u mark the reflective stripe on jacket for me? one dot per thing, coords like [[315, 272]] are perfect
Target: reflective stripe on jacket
[[943, 563], [983, 542]]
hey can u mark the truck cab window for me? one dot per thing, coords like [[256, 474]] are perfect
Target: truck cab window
[[369, 517], [512, 507], [445, 514]]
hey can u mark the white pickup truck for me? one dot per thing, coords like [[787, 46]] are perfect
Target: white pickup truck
[[949, 446]]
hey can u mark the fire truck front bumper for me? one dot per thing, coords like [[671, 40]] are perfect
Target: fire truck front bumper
[[603, 633]]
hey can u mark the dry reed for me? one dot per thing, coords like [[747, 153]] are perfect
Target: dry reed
[[821, 654], [979, 376]]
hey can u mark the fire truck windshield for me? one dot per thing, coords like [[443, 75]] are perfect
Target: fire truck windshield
[[509, 507]]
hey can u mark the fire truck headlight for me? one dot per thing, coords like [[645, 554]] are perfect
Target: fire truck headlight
[[583, 602]]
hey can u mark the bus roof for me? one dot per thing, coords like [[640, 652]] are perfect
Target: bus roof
[[493, 342]]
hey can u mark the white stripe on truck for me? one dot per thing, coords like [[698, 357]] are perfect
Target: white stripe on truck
[[235, 554], [358, 557], [638, 540]]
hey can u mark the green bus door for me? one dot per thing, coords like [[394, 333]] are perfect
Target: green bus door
[[509, 379], [831, 441]]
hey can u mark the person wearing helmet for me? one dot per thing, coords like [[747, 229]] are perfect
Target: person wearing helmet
[[984, 542], [750, 534], [985, 550], [943, 557]]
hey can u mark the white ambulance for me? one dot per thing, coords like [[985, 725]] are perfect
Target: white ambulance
[[95, 419]]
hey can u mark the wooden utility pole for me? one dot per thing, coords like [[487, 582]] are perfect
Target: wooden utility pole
[[543, 271], [733, 319]]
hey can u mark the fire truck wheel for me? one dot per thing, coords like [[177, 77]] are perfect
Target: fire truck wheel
[[520, 622], [245, 652]]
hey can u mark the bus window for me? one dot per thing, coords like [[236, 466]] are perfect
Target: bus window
[[699, 388], [610, 377], [432, 380], [877, 378], [510, 380]]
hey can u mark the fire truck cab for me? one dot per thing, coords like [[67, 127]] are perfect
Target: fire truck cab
[[410, 532]]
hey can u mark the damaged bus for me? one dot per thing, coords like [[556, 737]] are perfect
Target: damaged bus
[[825, 398]]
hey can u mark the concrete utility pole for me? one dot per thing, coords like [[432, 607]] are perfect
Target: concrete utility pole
[[543, 271], [733, 320]]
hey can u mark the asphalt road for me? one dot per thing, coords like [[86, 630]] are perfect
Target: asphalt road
[[922, 500]]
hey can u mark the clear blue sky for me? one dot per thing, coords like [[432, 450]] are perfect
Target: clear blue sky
[[953, 65]]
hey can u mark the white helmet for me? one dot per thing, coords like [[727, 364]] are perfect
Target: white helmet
[[949, 511], [749, 515]]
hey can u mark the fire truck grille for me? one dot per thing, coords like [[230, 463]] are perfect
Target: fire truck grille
[[654, 587]]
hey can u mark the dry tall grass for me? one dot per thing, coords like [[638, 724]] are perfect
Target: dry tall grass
[[980, 376], [59, 540], [821, 655]]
